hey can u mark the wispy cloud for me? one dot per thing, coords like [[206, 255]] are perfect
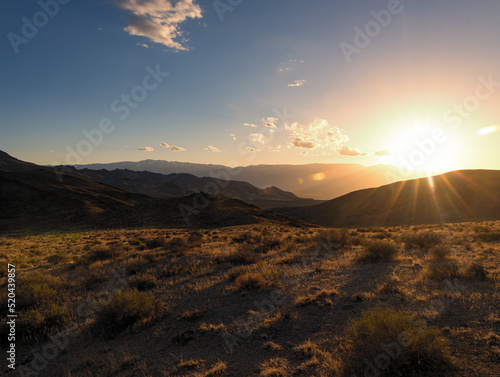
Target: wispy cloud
[[250, 125], [233, 136], [160, 20], [251, 149], [175, 148], [258, 138], [289, 65], [164, 145], [382, 152], [146, 149], [211, 148], [348, 151], [297, 83]]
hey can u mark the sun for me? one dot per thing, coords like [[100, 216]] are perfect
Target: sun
[[419, 148]]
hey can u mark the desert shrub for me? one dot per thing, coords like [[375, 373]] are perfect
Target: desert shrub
[[177, 245], [246, 237], [423, 239], [251, 280], [156, 243], [244, 255], [104, 252], [267, 243], [488, 236], [234, 272], [39, 289], [127, 308], [144, 281], [332, 239], [195, 238], [58, 258], [441, 252], [392, 343], [276, 367], [476, 271], [35, 324], [442, 270], [380, 251], [39, 300]]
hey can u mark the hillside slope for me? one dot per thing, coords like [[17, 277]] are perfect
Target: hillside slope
[[467, 195], [36, 200]]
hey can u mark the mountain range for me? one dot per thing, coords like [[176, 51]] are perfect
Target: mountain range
[[317, 181], [37, 198]]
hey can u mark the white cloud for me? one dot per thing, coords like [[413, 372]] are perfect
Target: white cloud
[[348, 151], [297, 83], [159, 20], [143, 45], [318, 134], [211, 148], [146, 149], [251, 149], [175, 148], [299, 143], [269, 122], [382, 152], [233, 136], [250, 125], [164, 145], [258, 138]]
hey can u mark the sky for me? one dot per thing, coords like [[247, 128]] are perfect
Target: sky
[[240, 82]]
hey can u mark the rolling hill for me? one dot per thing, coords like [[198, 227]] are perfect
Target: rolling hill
[[37, 200], [465, 195], [317, 181]]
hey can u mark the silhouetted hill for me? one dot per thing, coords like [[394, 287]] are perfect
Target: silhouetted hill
[[37, 200], [317, 181], [9, 163], [465, 195], [182, 184]]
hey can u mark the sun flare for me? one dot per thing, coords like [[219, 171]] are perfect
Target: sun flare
[[422, 148]]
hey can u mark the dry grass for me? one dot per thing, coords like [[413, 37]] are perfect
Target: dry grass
[[287, 294]]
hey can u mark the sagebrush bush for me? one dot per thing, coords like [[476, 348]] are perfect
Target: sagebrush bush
[[442, 270], [380, 251], [387, 343], [127, 308], [423, 239], [332, 239], [441, 252], [251, 280], [244, 255], [105, 252]]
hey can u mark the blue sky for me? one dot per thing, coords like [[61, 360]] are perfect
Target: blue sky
[[265, 57]]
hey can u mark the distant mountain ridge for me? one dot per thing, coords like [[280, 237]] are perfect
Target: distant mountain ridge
[[317, 181], [36, 200], [459, 196]]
